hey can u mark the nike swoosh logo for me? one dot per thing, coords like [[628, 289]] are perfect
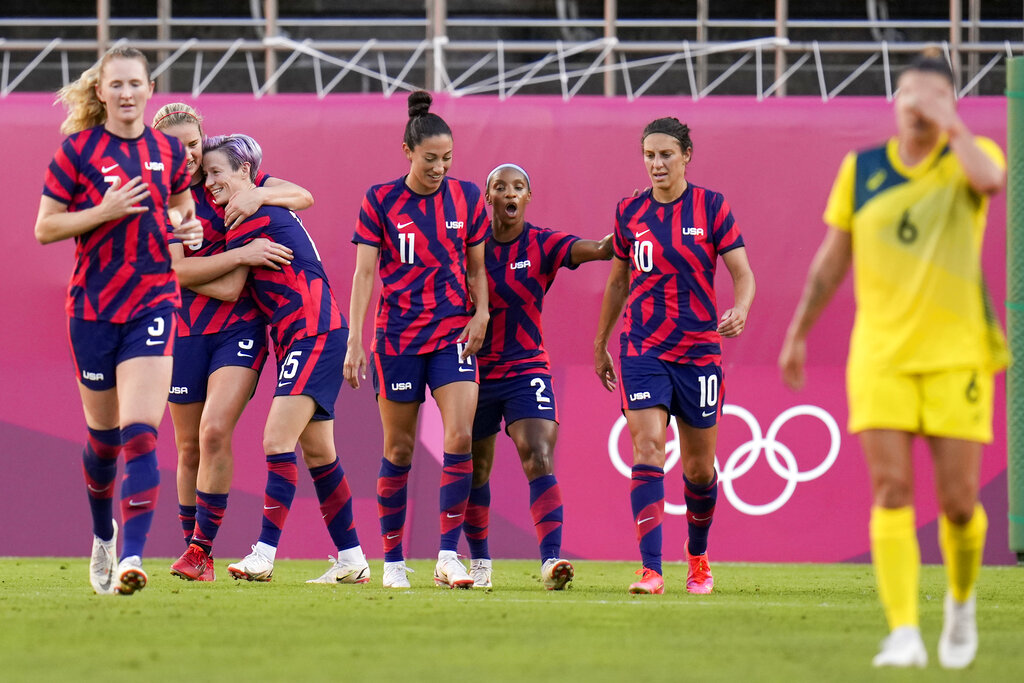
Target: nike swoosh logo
[[703, 414], [96, 490], [451, 516], [544, 408], [154, 342], [641, 234], [392, 537], [283, 384], [107, 169], [405, 225], [271, 507], [137, 503], [244, 355], [645, 519], [465, 369]]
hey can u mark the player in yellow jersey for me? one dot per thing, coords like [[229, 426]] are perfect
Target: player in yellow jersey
[[909, 215]]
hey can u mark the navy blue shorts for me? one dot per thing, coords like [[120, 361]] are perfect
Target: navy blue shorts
[[693, 393], [405, 378], [196, 357], [99, 346], [314, 367], [513, 398]]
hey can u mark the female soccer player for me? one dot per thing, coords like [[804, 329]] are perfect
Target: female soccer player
[[910, 215], [221, 342], [667, 243], [515, 373], [427, 232], [309, 336], [111, 186]]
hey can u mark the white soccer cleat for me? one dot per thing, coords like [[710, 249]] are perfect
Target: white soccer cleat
[[103, 563], [131, 578], [556, 574], [395, 575], [252, 567], [480, 572], [344, 572], [959, 641], [451, 573], [902, 648]]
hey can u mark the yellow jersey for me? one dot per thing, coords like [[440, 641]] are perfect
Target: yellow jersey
[[917, 234]]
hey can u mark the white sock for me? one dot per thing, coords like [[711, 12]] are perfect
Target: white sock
[[447, 555], [351, 555], [267, 551]]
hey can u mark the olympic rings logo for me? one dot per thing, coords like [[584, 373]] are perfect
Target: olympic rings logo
[[778, 456]]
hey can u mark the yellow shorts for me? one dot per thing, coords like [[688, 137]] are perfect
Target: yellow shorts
[[949, 403]]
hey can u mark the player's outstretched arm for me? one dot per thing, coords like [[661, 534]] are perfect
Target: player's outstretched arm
[[591, 250], [827, 271], [616, 292], [275, 192]]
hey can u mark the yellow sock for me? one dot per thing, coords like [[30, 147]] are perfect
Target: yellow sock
[[962, 547], [897, 561]]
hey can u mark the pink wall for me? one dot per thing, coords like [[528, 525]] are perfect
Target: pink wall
[[773, 160]]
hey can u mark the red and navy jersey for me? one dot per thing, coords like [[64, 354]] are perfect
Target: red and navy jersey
[[672, 251], [519, 273], [122, 267], [200, 314], [296, 300], [423, 239]]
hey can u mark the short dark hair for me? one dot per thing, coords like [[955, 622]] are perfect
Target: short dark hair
[[422, 124], [673, 128]]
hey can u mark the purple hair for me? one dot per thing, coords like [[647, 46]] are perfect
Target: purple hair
[[239, 149]]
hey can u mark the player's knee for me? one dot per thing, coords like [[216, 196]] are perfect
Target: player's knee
[[215, 438], [893, 492], [458, 441], [538, 461], [399, 453], [481, 472], [958, 511], [188, 453]]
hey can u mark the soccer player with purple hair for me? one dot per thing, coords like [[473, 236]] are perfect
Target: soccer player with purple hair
[[117, 188], [221, 342], [667, 243], [425, 233], [309, 336], [515, 370]]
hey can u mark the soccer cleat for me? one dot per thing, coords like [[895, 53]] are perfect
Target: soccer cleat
[[344, 572], [131, 578], [902, 648], [193, 565], [650, 583], [480, 571], [556, 574], [451, 573], [698, 577], [395, 575], [208, 575], [252, 567], [102, 564], [959, 641]]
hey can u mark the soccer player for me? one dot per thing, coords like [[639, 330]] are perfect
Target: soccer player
[[426, 233], [111, 186], [515, 373], [910, 215], [667, 243], [221, 342], [309, 336]]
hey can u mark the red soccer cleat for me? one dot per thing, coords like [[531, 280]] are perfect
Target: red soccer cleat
[[698, 579], [650, 583]]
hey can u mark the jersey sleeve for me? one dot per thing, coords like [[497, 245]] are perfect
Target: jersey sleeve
[[262, 177], [369, 226], [724, 231], [249, 230], [479, 227], [839, 210], [62, 174], [620, 241], [558, 251], [991, 150]]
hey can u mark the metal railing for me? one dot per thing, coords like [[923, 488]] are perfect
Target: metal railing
[[631, 57]]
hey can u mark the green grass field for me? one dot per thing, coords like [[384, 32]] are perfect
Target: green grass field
[[765, 622]]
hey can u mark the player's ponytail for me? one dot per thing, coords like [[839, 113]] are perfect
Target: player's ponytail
[[85, 110], [422, 124]]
